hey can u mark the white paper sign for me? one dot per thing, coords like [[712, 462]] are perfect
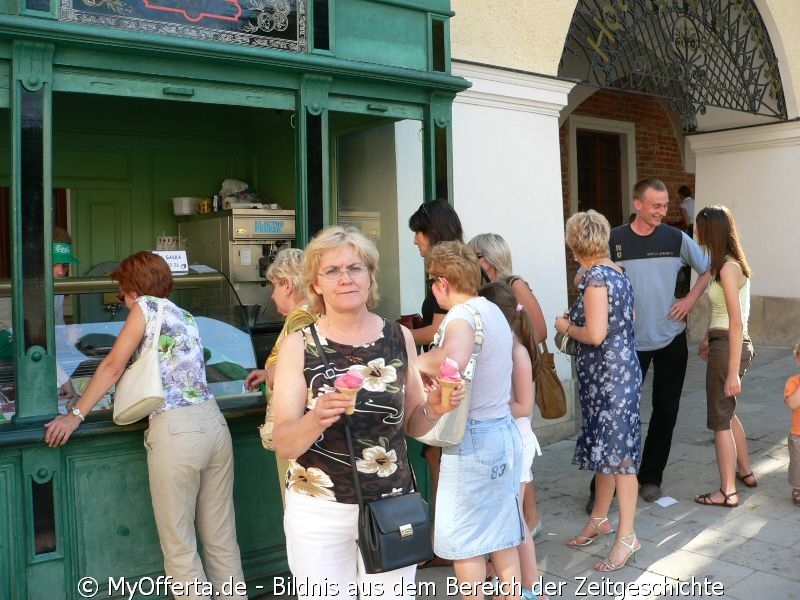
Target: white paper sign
[[176, 259]]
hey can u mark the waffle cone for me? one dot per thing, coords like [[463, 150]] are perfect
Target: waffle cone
[[446, 386], [352, 393]]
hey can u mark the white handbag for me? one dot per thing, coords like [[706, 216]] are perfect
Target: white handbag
[[140, 390], [449, 429]]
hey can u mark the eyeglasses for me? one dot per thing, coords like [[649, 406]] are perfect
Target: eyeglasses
[[354, 271], [121, 297]]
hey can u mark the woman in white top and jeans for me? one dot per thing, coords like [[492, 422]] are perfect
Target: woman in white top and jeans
[[476, 508], [727, 349]]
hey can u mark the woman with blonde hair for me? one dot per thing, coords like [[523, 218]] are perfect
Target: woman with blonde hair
[[610, 379], [285, 276], [320, 520], [494, 257], [727, 349]]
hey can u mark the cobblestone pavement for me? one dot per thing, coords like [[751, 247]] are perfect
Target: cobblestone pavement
[[688, 550]]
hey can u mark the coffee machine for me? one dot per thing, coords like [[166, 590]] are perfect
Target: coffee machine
[[242, 243]]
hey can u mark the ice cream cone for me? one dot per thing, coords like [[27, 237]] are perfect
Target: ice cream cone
[[352, 393], [446, 387]]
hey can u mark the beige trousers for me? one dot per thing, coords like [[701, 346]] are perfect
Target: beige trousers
[[190, 464]]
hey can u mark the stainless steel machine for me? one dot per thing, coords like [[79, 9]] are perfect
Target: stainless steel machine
[[242, 243]]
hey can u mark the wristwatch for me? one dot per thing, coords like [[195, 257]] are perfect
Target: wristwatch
[[77, 412]]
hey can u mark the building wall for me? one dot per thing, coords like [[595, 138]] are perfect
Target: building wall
[[658, 153], [754, 172], [533, 35], [506, 180], [526, 35]]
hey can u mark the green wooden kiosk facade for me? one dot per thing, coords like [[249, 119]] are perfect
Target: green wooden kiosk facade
[[113, 107]]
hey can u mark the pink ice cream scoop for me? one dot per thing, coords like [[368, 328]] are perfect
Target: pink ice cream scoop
[[349, 383], [449, 378], [448, 370]]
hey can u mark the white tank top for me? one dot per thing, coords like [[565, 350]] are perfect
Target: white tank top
[[719, 312]]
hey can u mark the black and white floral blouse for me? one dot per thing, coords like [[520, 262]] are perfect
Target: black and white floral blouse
[[377, 425]]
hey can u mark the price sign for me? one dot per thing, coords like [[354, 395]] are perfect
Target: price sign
[[176, 259]]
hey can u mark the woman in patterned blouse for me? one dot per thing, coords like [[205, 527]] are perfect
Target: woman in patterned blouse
[[321, 515]]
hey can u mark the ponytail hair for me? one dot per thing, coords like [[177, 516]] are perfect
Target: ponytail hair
[[520, 321]]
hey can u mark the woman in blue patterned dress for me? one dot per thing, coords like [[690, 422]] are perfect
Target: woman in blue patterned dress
[[601, 321], [189, 450]]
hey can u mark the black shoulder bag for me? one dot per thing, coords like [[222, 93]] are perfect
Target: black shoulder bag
[[393, 532]]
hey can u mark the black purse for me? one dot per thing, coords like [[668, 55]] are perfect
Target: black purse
[[393, 532]]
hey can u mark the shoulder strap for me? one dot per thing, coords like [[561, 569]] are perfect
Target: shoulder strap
[[347, 420], [469, 370], [157, 327]]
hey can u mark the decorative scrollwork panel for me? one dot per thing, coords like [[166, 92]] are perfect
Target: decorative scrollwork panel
[[694, 53]]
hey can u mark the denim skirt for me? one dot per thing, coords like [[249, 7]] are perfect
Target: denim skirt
[[477, 509]]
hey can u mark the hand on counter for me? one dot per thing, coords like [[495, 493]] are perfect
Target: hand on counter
[[59, 430], [254, 379]]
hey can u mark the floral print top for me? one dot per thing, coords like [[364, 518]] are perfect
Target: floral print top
[[180, 353], [324, 471]]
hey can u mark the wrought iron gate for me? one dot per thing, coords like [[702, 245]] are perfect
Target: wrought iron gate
[[694, 53]]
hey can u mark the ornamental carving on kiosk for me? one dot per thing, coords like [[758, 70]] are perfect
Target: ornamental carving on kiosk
[[279, 24]]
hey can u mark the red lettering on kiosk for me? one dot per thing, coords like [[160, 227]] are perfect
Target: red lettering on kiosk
[[225, 10]]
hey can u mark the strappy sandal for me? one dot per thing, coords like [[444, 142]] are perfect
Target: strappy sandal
[[745, 477], [633, 546], [583, 540], [706, 500], [796, 496]]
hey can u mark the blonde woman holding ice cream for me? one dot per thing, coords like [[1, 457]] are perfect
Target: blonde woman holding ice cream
[[363, 349], [476, 509]]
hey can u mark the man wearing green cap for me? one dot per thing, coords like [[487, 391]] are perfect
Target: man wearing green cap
[[62, 259]]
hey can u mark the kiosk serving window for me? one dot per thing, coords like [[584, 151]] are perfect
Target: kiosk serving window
[[82, 345]]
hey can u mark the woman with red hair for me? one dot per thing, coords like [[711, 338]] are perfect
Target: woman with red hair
[[189, 450]]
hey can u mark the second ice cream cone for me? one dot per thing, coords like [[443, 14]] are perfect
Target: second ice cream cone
[[446, 388]]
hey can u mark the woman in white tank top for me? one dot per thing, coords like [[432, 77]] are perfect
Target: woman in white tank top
[[727, 350]]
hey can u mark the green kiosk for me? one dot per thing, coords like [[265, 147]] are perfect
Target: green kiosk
[[114, 107]]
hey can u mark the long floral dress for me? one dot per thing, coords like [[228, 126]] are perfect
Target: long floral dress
[[610, 381]]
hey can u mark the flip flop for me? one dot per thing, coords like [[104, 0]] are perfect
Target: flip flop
[[745, 477], [706, 500]]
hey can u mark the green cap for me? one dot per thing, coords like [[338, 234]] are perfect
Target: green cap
[[62, 254]]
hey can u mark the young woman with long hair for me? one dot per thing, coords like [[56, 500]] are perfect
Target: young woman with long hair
[[727, 349]]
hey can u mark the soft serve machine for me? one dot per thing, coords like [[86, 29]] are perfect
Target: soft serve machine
[[242, 243]]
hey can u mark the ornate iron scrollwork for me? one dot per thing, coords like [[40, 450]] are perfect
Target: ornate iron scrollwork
[[694, 53]]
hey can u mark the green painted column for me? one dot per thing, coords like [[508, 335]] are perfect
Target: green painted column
[[313, 163], [31, 228], [437, 147]]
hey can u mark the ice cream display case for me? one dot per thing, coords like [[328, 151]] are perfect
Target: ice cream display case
[[81, 346]]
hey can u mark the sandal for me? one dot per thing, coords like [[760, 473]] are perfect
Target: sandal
[[745, 477], [706, 500], [796, 496], [633, 545], [584, 540]]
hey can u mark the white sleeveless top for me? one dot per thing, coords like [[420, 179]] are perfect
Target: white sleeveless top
[[719, 312]]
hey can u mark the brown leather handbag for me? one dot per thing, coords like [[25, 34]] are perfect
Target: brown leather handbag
[[550, 396]]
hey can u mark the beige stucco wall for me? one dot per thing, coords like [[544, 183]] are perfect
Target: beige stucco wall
[[529, 35], [524, 34]]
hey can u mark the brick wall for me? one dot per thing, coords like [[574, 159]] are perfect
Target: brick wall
[[658, 152]]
